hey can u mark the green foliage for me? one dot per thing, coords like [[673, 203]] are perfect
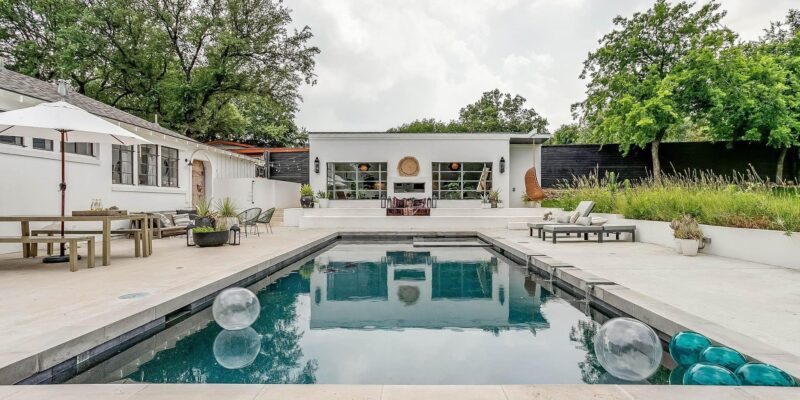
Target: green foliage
[[306, 190], [321, 194], [210, 69], [744, 201], [203, 207], [686, 227], [226, 208], [632, 98], [207, 229], [571, 134], [494, 195], [493, 112]]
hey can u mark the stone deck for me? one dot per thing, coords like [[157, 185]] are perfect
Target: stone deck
[[51, 314]]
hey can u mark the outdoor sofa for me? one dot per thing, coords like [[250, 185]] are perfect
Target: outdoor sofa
[[170, 223], [409, 207]]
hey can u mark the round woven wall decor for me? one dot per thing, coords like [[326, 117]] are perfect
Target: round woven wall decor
[[408, 166]]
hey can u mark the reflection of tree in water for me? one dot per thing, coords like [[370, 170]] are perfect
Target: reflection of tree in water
[[279, 361], [583, 335]]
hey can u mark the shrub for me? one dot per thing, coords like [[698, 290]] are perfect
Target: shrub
[[306, 190], [686, 227], [742, 201]]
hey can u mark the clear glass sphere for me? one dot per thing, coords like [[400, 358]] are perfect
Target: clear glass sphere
[[709, 374], [686, 347], [628, 349], [235, 308], [237, 349]]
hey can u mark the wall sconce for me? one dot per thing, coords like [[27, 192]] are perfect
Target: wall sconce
[[502, 165], [316, 165]]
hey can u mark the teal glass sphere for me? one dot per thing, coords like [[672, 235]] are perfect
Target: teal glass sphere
[[676, 375], [763, 375], [686, 347], [709, 374], [725, 357]]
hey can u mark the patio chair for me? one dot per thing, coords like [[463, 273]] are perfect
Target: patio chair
[[583, 209], [265, 219], [249, 217]]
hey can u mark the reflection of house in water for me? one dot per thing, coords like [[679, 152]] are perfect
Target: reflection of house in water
[[441, 288]]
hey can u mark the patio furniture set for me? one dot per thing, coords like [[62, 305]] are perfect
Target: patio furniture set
[[580, 223]]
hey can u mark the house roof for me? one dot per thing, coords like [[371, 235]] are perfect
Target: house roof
[[253, 151], [512, 137], [229, 143], [46, 91]]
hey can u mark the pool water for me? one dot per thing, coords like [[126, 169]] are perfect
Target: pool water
[[382, 314]]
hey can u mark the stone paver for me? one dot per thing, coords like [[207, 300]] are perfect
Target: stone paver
[[757, 300]]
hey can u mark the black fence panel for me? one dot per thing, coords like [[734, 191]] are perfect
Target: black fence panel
[[291, 167], [562, 162]]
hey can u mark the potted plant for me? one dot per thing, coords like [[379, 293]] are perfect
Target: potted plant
[[494, 198], [322, 198], [485, 201], [205, 216], [206, 236], [688, 235], [227, 213], [530, 203], [306, 196]]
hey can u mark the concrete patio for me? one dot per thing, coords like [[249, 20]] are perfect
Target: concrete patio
[[52, 314]]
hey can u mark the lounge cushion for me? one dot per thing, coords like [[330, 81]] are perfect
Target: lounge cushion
[[574, 217], [182, 220], [599, 221], [585, 221], [166, 221]]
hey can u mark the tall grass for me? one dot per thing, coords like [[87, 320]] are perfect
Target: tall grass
[[742, 201]]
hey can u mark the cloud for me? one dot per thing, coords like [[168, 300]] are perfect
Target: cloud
[[387, 62]]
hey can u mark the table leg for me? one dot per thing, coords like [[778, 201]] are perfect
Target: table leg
[[90, 255], [137, 243], [147, 237], [73, 255], [106, 241], [25, 229]]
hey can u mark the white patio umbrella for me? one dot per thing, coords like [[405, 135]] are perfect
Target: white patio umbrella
[[63, 122]]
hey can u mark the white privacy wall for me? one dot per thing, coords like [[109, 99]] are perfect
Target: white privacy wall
[[259, 192], [29, 182], [426, 148]]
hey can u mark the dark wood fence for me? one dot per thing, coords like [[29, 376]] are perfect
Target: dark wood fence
[[291, 167], [560, 162]]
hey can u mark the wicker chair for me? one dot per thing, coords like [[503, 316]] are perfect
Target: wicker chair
[[265, 219], [249, 217]]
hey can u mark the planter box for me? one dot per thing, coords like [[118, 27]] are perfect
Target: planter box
[[210, 239], [756, 245]]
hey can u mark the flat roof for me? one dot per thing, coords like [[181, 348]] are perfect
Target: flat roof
[[512, 137]]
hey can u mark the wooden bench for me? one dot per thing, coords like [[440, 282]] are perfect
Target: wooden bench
[[136, 234], [72, 241]]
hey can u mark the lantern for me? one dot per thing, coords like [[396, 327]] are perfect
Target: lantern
[[502, 165], [235, 235], [316, 165]]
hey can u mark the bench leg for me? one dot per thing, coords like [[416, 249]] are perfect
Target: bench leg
[[90, 253], [73, 255], [633, 236], [137, 243], [554, 237], [540, 232], [616, 236], [530, 230], [600, 237], [585, 236]]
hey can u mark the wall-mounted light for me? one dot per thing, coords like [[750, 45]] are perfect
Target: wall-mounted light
[[502, 165], [316, 165]]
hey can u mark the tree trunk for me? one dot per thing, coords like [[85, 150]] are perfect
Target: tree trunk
[[656, 161], [781, 161]]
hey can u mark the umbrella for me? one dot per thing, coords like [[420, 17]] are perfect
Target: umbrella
[[64, 122]]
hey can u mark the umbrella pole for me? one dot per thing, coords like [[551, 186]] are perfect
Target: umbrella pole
[[62, 257]]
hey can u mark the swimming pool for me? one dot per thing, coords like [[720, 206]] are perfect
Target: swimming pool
[[382, 314]]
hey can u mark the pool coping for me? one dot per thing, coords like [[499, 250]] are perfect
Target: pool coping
[[664, 318]]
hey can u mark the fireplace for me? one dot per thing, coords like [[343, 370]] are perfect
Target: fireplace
[[409, 187]]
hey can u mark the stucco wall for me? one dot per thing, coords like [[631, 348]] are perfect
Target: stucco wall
[[259, 192], [427, 148]]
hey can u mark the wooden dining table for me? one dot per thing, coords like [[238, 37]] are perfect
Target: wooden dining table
[[144, 219]]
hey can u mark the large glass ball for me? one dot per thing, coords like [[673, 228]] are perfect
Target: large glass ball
[[763, 375], [628, 349], [237, 349], [235, 308], [686, 347], [725, 357], [709, 374]]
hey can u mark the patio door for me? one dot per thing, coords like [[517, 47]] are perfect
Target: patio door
[[198, 181]]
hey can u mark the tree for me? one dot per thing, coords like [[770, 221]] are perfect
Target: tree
[[493, 112], [629, 98], [570, 134], [192, 62]]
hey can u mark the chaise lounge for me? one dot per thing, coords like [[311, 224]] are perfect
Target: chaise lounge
[[583, 209], [585, 230]]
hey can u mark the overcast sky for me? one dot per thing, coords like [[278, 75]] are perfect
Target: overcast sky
[[387, 62]]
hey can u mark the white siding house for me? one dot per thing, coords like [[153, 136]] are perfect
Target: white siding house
[[358, 169], [170, 174]]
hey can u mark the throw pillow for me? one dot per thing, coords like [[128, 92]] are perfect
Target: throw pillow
[[599, 221], [574, 217], [562, 218], [182, 220], [165, 221], [585, 221]]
